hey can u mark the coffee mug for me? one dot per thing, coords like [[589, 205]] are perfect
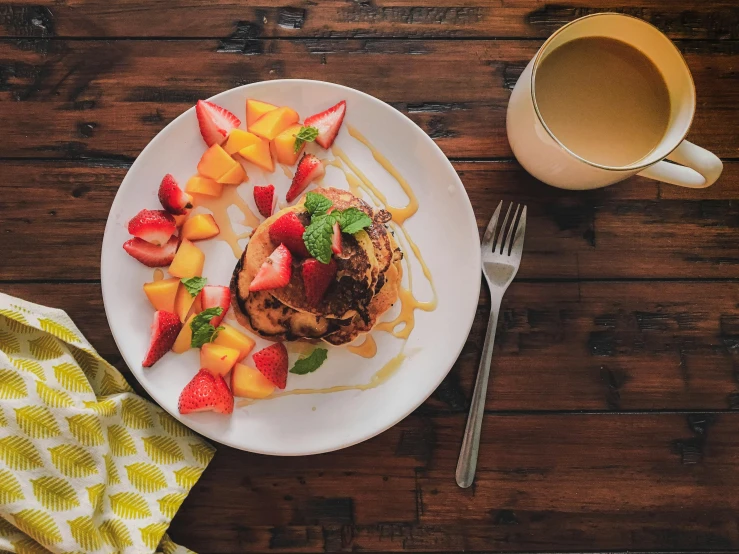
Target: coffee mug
[[547, 158]]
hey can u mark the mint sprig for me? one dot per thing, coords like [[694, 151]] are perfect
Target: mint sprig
[[194, 284], [317, 237], [305, 134], [310, 363], [353, 220], [318, 234], [317, 204], [202, 330]]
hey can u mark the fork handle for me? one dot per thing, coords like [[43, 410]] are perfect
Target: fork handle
[[467, 463]]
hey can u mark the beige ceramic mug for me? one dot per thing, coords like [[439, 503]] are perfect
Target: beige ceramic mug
[[543, 155]]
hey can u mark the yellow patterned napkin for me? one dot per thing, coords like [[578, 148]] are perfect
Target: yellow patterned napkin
[[86, 465]]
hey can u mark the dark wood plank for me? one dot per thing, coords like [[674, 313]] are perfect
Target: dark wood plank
[[555, 483], [52, 217], [338, 18], [72, 99], [601, 346]]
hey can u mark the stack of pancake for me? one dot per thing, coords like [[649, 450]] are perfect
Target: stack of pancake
[[366, 285]]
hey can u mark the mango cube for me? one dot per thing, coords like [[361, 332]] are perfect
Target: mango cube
[[202, 185], [273, 123], [162, 294], [179, 220], [284, 146], [235, 176], [215, 163], [183, 302], [256, 109], [217, 359], [249, 382], [200, 227], [228, 336], [259, 155], [188, 261], [184, 339], [238, 139]]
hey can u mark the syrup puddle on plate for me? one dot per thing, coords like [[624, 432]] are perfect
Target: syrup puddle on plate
[[402, 325]]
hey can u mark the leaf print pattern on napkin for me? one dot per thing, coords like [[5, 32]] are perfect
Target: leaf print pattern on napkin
[[85, 464]]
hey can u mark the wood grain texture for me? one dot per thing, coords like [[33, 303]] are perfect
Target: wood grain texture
[[86, 99], [600, 346], [611, 421], [554, 483], [56, 211], [341, 18]]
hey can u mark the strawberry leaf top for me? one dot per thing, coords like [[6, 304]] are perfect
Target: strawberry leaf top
[[202, 330], [194, 284], [305, 134], [318, 234], [311, 362]]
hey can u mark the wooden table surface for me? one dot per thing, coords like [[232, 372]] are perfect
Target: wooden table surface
[[610, 421]]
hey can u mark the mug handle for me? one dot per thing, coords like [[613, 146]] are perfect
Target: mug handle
[[699, 168]]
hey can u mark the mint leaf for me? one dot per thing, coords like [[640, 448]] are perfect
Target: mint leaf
[[306, 134], [353, 220], [194, 284], [202, 330], [317, 204], [317, 236], [310, 363]]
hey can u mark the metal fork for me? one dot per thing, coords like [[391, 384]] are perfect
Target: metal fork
[[501, 256]]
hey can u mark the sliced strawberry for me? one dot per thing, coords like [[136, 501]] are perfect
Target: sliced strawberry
[[288, 230], [151, 255], [272, 363], [164, 331], [215, 122], [309, 169], [265, 199], [336, 239], [327, 123], [172, 197], [154, 226], [316, 278], [275, 271], [216, 296], [206, 393]]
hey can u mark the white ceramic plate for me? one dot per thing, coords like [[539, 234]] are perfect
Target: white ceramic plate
[[444, 229]]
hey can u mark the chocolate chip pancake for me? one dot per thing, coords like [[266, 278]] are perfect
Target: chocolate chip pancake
[[365, 286]]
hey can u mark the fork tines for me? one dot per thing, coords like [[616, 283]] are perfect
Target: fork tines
[[502, 240]]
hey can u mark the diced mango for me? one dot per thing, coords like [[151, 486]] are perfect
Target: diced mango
[[228, 336], [162, 294], [256, 109], [249, 382], [284, 146], [238, 139], [197, 305], [179, 220], [273, 123], [217, 359], [188, 262], [215, 163], [183, 302], [235, 176], [200, 227], [184, 338], [259, 155], [202, 185]]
